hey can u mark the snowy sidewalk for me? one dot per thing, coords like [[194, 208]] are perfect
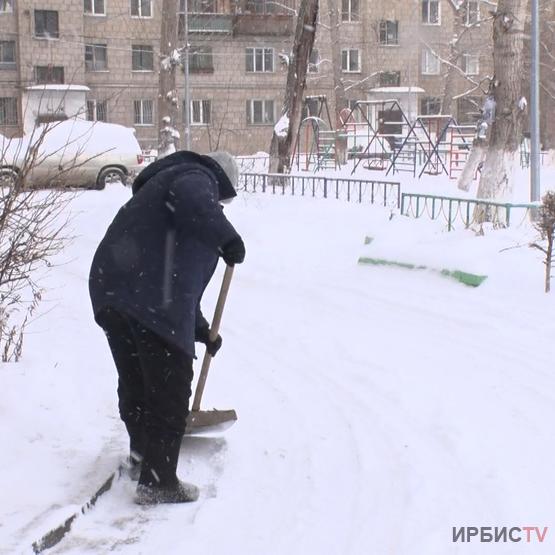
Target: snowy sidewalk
[[378, 407]]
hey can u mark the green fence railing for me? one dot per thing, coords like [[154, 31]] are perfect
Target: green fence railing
[[463, 210], [352, 190]]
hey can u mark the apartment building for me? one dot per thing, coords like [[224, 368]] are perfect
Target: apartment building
[[101, 58]]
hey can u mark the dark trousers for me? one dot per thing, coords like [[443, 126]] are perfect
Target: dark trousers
[[154, 383]]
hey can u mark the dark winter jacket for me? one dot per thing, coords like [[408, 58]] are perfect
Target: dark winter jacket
[[162, 247]]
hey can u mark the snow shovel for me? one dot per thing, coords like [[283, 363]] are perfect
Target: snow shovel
[[198, 420]]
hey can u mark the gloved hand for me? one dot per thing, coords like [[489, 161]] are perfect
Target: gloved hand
[[202, 335], [233, 252]]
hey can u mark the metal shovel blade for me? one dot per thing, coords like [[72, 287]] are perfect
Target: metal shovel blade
[[201, 421]]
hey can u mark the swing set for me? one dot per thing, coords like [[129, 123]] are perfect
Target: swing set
[[315, 144]]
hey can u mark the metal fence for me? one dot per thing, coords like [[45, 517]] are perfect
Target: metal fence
[[465, 211], [253, 164], [351, 190]]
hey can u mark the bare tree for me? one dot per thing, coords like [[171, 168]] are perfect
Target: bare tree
[[340, 98], [464, 27], [496, 180], [285, 131], [168, 104], [449, 83], [547, 78]]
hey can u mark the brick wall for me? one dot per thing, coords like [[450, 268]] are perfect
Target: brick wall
[[229, 85]]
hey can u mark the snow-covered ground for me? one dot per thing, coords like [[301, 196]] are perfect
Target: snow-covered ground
[[378, 407]]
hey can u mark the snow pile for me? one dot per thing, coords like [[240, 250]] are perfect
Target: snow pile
[[281, 128]]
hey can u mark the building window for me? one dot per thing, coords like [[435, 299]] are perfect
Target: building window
[[51, 117], [313, 61], [197, 23], [430, 12], [350, 60], [262, 7], [45, 75], [201, 112], [143, 112], [142, 57], [350, 10], [141, 8], [310, 107], [260, 60], [96, 57], [95, 7], [198, 6], [430, 106], [6, 6], [268, 7], [46, 24], [472, 12], [260, 112], [97, 110], [200, 59], [8, 111], [390, 78], [7, 54], [389, 33], [471, 64], [430, 62]]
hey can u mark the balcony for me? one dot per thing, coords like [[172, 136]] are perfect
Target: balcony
[[208, 23], [240, 17], [263, 24]]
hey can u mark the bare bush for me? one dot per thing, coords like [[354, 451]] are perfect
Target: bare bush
[[545, 224], [32, 231]]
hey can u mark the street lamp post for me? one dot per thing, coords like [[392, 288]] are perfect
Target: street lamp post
[[186, 90], [535, 105]]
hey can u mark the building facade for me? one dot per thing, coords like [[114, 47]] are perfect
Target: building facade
[[103, 57]]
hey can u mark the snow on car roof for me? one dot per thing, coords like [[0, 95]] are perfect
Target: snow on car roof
[[89, 137]]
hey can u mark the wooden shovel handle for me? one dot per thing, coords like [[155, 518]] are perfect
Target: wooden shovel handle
[[214, 329]]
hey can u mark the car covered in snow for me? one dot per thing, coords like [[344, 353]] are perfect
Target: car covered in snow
[[72, 153]]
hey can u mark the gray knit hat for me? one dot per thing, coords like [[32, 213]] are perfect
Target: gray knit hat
[[226, 161]]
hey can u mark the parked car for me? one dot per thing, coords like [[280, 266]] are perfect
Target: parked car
[[72, 153]]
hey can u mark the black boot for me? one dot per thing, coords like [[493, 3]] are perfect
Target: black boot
[[137, 448], [180, 492], [158, 482]]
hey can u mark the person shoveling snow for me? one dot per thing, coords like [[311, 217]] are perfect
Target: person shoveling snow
[[146, 282]]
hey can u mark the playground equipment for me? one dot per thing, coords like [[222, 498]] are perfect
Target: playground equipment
[[379, 135], [425, 145], [316, 139], [434, 144], [374, 129], [460, 146]]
